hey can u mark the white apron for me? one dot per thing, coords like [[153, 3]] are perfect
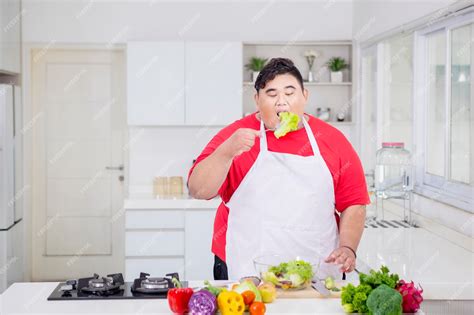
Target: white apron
[[284, 205]]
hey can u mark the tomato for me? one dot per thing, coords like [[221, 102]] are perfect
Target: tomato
[[257, 308], [248, 296]]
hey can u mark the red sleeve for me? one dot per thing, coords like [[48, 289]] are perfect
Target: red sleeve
[[351, 187], [215, 142]]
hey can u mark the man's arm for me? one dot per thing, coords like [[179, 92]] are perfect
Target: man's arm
[[350, 232], [208, 176]]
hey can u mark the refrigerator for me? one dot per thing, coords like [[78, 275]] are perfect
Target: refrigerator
[[11, 186]]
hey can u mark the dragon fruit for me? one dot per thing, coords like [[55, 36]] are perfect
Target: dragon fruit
[[411, 296]]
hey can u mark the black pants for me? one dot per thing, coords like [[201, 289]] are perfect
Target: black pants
[[220, 270]]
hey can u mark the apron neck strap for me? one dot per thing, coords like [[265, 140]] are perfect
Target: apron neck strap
[[312, 139], [263, 137]]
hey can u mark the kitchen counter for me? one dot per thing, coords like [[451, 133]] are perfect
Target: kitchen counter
[[31, 298], [144, 203]]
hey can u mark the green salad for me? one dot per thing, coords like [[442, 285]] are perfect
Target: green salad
[[288, 122], [289, 275]]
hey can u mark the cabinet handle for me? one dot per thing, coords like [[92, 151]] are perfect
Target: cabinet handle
[[113, 168]]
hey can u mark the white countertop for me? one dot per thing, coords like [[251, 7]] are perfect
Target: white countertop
[[172, 204], [443, 268], [31, 298]]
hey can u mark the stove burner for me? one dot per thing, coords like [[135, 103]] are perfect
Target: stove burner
[[100, 283], [153, 285], [101, 286]]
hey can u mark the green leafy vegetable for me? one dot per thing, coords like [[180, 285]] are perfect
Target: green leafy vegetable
[[385, 301], [354, 299], [376, 278], [296, 271], [288, 122]]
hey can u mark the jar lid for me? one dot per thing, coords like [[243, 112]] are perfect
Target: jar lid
[[393, 144]]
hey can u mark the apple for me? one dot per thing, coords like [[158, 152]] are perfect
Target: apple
[[268, 292]]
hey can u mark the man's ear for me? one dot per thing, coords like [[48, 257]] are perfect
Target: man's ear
[[305, 94], [255, 97]]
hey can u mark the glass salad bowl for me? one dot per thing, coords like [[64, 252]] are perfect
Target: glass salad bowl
[[287, 272]]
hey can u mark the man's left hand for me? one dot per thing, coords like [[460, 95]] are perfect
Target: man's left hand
[[343, 256]]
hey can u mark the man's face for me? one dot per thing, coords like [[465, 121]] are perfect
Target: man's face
[[282, 94]]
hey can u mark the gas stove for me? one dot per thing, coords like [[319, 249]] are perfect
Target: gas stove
[[114, 287]]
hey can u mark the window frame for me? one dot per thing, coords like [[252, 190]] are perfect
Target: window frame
[[440, 188]]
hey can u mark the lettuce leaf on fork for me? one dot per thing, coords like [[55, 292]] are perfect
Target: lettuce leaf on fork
[[288, 122]]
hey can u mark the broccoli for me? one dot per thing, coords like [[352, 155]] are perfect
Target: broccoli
[[385, 301]]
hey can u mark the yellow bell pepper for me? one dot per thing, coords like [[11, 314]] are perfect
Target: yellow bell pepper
[[230, 303]]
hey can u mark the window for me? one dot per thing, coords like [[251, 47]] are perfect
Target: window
[[445, 154], [417, 88], [396, 89], [386, 96], [461, 121]]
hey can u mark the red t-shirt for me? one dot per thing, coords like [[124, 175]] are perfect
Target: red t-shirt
[[343, 163]]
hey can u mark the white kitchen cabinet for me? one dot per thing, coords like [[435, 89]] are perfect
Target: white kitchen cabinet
[[164, 240], [198, 239], [11, 256], [155, 83], [213, 82], [184, 83], [10, 36]]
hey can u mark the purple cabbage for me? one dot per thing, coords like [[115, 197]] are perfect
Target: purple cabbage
[[202, 302]]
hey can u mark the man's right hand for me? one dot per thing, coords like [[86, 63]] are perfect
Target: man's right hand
[[242, 140]]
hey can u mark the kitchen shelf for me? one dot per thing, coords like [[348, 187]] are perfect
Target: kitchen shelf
[[322, 93], [312, 83], [340, 123]]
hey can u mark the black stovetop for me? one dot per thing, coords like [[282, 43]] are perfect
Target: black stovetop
[[119, 289]]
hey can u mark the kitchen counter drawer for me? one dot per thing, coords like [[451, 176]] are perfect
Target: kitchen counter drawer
[[154, 243], [154, 219], [154, 266]]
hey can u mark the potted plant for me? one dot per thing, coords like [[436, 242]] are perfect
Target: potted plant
[[256, 64], [310, 56], [336, 65]]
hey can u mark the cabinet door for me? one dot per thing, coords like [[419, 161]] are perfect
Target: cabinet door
[[198, 240], [213, 82], [7, 191], [155, 83], [18, 151], [10, 37]]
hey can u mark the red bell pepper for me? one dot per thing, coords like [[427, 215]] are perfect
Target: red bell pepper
[[178, 298]]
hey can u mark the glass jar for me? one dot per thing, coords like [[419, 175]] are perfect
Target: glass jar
[[393, 171], [323, 113]]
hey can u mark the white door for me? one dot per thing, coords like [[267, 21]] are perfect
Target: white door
[[78, 145]]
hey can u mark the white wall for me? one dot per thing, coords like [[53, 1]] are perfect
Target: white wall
[[163, 151], [373, 17], [118, 21]]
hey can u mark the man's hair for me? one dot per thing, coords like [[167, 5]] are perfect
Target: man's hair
[[274, 67]]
